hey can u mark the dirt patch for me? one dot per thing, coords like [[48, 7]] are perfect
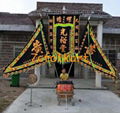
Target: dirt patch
[[8, 94]]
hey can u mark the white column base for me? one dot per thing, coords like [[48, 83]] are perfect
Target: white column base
[[37, 69], [98, 80], [86, 73], [43, 71], [37, 73]]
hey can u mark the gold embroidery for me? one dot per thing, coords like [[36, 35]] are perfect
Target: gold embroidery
[[63, 32], [59, 19], [63, 47], [69, 18], [89, 50], [63, 40], [37, 48]]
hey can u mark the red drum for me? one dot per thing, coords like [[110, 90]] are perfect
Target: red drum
[[64, 88]]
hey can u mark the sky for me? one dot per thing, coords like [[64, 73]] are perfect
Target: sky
[[25, 6]]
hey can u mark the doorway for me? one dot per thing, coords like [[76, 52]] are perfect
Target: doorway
[[67, 66]]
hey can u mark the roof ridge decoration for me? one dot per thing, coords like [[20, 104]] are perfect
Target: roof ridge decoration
[[76, 5], [31, 55]]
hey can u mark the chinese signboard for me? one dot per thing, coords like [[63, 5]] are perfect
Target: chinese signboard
[[64, 34]]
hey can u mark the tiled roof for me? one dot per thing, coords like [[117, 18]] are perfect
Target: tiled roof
[[19, 19], [113, 22], [75, 6], [42, 7], [83, 9]]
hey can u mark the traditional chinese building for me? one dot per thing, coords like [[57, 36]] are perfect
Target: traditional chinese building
[[16, 30]]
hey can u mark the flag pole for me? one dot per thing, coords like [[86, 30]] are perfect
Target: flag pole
[[89, 38]]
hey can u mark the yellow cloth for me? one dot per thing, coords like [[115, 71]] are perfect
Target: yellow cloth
[[64, 76]]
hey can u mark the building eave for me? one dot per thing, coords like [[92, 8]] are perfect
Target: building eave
[[95, 15], [15, 27], [111, 30]]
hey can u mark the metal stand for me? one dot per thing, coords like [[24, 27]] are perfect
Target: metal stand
[[30, 102], [31, 96], [66, 102]]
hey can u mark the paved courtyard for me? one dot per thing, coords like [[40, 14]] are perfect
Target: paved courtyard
[[45, 101]]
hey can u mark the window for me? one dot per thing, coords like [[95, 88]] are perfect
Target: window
[[111, 44], [112, 55]]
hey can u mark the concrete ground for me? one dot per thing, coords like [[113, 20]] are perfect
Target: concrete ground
[[45, 101]]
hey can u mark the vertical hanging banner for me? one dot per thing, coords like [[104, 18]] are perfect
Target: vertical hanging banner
[[32, 54], [91, 54], [63, 35]]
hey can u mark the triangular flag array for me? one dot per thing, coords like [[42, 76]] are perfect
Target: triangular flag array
[[92, 55], [89, 51], [31, 55]]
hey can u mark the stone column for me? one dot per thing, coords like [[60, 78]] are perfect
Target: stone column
[[43, 70], [37, 69], [86, 73], [98, 78]]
